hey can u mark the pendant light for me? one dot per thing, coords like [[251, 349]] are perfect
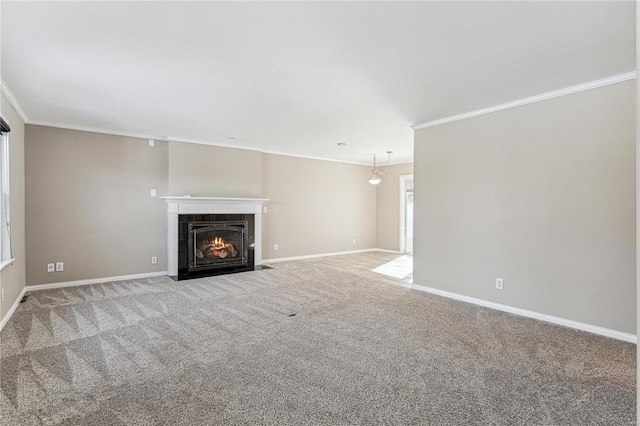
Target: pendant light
[[377, 174]]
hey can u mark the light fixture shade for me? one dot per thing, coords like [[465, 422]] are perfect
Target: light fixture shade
[[375, 179], [377, 174]]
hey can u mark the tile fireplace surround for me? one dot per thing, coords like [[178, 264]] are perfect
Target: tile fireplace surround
[[177, 205]]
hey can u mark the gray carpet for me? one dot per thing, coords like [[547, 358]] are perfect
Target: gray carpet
[[225, 350]]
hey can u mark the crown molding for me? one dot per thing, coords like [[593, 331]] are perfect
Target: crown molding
[[532, 99], [13, 101], [193, 141], [309, 157], [399, 163], [218, 144], [136, 135], [94, 130]]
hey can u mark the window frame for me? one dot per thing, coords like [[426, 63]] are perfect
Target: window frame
[[6, 257]]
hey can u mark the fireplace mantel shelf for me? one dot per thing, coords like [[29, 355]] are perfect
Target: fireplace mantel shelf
[[179, 198], [210, 205]]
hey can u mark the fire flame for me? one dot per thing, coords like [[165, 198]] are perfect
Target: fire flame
[[218, 243]]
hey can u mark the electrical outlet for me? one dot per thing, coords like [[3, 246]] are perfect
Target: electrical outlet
[[51, 267], [59, 266], [153, 192], [154, 260], [275, 247], [499, 284], [152, 143], [354, 241], [264, 209]]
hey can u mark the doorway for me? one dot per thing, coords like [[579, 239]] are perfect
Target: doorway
[[406, 213]]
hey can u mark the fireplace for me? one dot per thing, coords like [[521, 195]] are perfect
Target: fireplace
[[213, 244], [213, 235]]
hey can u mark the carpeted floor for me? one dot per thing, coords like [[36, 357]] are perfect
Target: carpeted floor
[[227, 350]]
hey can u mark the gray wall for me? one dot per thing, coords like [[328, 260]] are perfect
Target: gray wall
[[12, 278], [317, 207], [388, 207], [89, 205], [542, 196], [205, 170]]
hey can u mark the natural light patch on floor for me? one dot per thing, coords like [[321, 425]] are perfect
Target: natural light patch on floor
[[401, 267]]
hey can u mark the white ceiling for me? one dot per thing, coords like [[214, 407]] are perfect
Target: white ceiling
[[300, 77]]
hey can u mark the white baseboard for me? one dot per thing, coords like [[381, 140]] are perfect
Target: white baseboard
[[388, 251], [12, 309], [94, 281], [336, 253], [619, 335]]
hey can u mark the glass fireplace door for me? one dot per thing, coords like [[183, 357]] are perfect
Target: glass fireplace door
[[217, 244]]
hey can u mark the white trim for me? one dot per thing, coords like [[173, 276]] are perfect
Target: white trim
[[614, 334], [5, 198], [225, 200], [62, 284], [12, 309], [637, 209], [310, 157], [13, 101], [399, 163], [218, 144], [135, 135], [387, 251], [537, 98], [5, 263], [335, 253], [402, 220], [193, 141]]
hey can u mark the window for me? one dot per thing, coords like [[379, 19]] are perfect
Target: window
[[5, 218]]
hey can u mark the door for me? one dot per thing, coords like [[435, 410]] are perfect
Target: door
[[406, 213]]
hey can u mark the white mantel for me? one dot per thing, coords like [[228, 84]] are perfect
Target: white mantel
[[177, 205]]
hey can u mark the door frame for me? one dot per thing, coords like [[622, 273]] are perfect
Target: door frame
[[402, 247]]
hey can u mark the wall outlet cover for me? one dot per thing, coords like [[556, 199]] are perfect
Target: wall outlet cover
[[59, 266], [51, 267]]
